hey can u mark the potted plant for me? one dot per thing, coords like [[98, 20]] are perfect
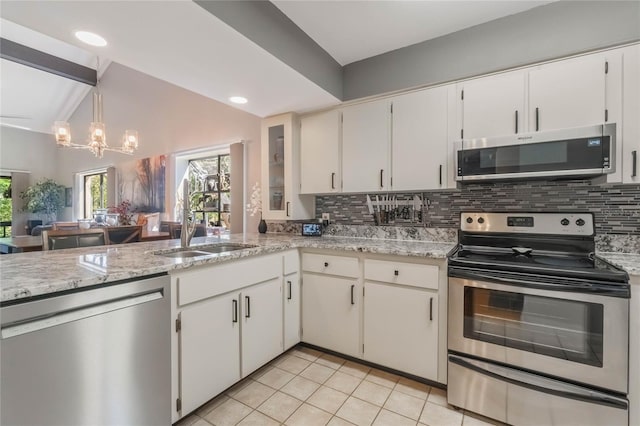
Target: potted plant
[[45, 198], [123, 210]]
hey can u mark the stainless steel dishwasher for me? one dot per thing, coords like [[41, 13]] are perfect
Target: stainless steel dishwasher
[[95, 357]]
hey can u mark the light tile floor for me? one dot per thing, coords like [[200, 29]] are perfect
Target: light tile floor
[[304, 387]]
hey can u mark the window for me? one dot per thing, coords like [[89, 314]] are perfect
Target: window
[[95, 193], [210, 184], [5, 206]]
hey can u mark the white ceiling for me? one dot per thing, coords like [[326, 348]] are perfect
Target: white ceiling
[[180, 42], [32, 99], [353, 30]]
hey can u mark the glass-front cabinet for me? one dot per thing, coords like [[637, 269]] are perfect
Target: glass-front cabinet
[[281, 172]]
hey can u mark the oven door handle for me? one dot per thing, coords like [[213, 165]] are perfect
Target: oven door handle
[[543, 284], [539, 383]]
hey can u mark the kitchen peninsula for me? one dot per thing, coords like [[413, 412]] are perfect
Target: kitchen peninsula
[[270, 268]]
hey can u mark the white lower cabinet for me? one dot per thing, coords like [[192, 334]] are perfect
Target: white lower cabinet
[[209, 350], [228, 323], [292, 299], [233, 318], [331, 313], [401, 328], [261, 325]]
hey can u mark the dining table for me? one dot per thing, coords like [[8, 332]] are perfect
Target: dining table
[[26, 243]]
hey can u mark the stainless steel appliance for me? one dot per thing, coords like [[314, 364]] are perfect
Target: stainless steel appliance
[[94, 357], [538, 325], [584, 151]]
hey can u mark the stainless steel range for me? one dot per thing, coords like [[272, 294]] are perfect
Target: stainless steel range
[[538, 325]]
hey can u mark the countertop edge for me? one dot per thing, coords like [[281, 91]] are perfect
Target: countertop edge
[[75, 269]]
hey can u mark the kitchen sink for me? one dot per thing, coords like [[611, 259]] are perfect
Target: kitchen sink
[[225, 247], [185, 254], [202, 251]]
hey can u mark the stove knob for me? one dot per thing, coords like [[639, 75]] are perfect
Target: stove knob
[[580, 222], [480, 220], [469, 220], [565, 222]]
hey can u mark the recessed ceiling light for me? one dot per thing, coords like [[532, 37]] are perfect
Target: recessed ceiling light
[[238, 100], [91, 38]]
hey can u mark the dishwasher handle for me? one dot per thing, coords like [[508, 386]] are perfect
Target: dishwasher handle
[[59, 318]]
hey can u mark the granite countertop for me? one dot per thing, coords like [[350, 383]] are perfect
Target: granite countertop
[[630, 262], [23, 275]]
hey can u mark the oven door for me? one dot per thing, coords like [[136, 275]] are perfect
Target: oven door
[[582, 337]]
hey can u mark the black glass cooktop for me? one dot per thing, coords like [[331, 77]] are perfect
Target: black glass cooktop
[[520, 259]]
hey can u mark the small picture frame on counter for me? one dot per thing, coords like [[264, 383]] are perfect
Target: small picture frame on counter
[[312, 229]]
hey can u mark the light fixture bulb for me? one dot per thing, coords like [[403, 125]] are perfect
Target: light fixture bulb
[[90, 38], [238, 100], [130, 141], [97, 133], [62, 131]]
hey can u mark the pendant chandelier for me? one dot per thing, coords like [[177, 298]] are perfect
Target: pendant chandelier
[[97, 135]]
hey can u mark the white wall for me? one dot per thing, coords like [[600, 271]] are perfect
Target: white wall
[[28, 151], [169, 119]]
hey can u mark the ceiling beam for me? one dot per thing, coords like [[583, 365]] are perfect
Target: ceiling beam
[[30, 57]]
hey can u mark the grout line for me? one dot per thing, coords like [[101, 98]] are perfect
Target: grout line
[[248, 380]]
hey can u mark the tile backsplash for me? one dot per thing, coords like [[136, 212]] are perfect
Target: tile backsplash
[[616, 207]]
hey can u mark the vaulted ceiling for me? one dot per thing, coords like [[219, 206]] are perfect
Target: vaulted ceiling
[[184, 43]]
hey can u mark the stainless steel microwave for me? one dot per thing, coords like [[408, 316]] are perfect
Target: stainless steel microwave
[[578, 152]]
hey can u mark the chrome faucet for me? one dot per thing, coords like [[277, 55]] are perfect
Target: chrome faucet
[[186, 232]]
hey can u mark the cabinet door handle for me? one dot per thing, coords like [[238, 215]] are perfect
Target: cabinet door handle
[[234, 317], [326, 264], [396, 272], [440, 178], [248, 313], [537, 119], [288, 208], [431, 309], [634, 163], [333, 181], [289, 296], [516, 122], [352, 288], [381, 178]]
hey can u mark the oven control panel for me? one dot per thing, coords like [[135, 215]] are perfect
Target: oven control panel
[[529, 223]]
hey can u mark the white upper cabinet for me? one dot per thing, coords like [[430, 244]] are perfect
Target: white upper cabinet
[[320, 153], [494, 106], [366, 147], [631, 115], [419, 140], [281, 199], [568, 93]]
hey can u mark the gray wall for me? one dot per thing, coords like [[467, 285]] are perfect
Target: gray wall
[[264, 24], [546, 32]]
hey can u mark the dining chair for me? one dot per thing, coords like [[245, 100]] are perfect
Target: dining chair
[[124, 234], [65, 226], [175, 229], [164, 225], [63, 239]]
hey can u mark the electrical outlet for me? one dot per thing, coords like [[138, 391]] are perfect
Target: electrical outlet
[[325, 216]]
